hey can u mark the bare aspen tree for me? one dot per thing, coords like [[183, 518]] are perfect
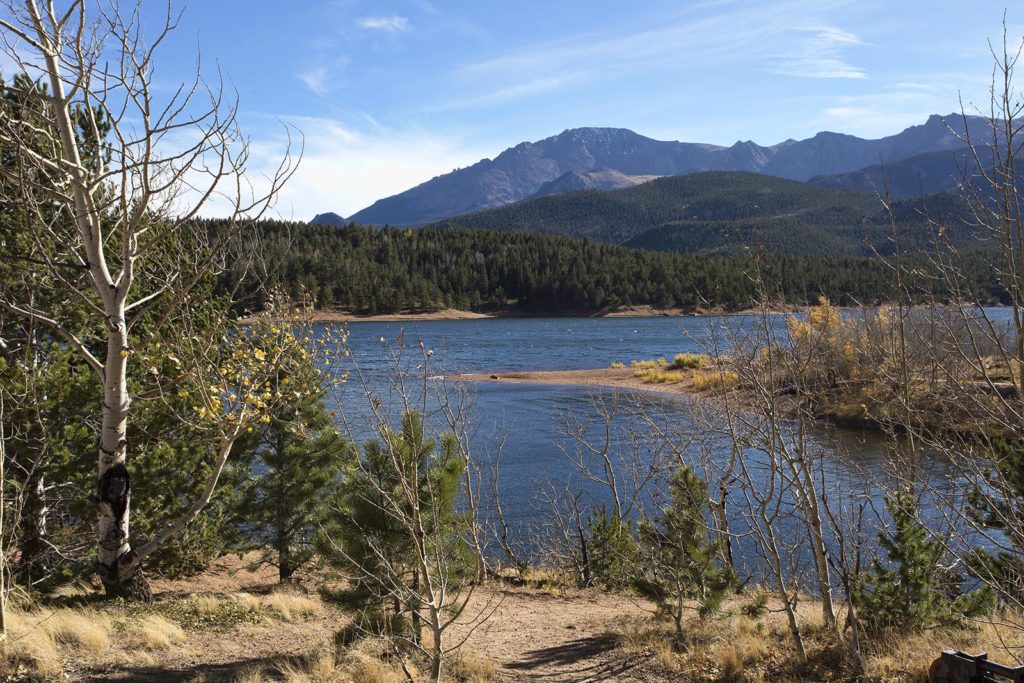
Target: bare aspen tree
[[127, 203]]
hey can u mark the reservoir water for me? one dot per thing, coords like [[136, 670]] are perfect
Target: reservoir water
[[528, 420]]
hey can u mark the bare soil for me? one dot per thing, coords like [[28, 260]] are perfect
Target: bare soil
[[530, 634], [621, 378]]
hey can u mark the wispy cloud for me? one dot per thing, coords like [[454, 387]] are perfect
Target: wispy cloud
[[389, 24], [315, 79], [820, 55], [691, 42]]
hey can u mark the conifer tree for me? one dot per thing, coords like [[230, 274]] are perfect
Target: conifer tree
[[680, 559], [908, 590], [396, 533], [612, 554], [296, 460], [997, 502]]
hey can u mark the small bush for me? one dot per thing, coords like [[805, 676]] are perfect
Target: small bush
[[689, 361], [757, 607], [715, 379], [617, 366]]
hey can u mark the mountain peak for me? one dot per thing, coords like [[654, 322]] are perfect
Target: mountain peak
[[570, 160], [329, 218]]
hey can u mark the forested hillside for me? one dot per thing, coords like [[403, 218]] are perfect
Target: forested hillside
[[372, 271], [724, 212]]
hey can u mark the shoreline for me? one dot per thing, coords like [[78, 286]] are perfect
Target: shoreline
[[320, 316], [615, 378]]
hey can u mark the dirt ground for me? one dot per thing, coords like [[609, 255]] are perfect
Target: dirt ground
[[529, 634], [621, 378]]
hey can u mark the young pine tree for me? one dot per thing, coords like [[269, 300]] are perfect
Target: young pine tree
[[612, 555], [396, 533], [997, 502], [296, 461], [681, 560], [908, 590]]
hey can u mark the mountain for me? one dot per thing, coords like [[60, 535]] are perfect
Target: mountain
[[523, 171], [329, 218], [598, 179], [920, 174], [721, 212]]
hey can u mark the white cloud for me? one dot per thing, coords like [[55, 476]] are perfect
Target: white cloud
[[345, 169], [820, 55], [388, 24], [315, 79]]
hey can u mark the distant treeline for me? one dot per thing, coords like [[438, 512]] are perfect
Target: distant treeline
[[368, 270]]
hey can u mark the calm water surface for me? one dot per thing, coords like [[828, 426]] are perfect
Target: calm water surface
[[529, 418]]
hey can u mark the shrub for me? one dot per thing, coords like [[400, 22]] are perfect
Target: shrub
[[715, 379], [689, 361]]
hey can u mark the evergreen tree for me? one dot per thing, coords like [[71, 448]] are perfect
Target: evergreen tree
[[998, 503], [396, 533], [680, 560], [295, 462], [908, 589], [611, 556]]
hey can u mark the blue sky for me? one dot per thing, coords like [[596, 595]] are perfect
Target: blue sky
[[390, 93]]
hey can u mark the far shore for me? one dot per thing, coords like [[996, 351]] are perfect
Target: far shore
[[321, 316]]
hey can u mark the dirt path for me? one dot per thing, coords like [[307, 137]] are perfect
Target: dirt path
[[533, 635], [530, 634]]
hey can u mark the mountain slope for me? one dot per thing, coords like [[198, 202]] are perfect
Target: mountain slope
[[715, 212], [598, 179], [522, 171]]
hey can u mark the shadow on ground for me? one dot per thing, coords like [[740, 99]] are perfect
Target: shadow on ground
[[582, 658], [226, 671]]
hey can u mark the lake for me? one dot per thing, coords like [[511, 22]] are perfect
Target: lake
[[529, 419]]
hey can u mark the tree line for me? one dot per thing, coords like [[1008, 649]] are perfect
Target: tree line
[[389, 270]]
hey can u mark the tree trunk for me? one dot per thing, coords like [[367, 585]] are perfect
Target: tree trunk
[[34, 564], [120, 576]]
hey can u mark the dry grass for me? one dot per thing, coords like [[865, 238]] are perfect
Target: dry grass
[[715, 379], [317, 669], [648, 364], [251, 675], [736, 648], [657, 376], [906, 657], [291, 606], [689, 361], [41, 640], [85, 630], [617, 366], [29, 646], [473, 668], [154, 632]]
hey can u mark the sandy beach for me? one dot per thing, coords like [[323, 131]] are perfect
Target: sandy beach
[[621, 378]]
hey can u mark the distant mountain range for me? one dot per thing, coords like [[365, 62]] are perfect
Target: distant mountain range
[[927, 155]]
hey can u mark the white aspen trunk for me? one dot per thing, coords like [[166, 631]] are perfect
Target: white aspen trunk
[[119, 574], [114, 556]]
